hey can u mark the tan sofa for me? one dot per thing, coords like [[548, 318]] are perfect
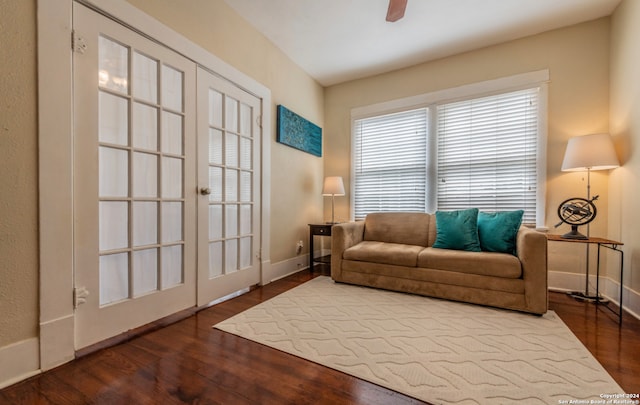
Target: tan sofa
[[393, 251]]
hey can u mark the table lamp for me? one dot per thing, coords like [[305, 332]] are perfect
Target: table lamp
[[590, 152], [333, 186]]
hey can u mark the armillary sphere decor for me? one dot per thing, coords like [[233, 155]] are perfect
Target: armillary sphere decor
[[575, 212]]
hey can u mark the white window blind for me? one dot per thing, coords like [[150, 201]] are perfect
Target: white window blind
[[487, 152], [390, 167]]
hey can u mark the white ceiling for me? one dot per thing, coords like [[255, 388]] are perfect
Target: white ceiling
[[340, 40]]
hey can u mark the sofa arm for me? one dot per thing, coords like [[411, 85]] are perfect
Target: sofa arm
[[343, 236], [531, 246]]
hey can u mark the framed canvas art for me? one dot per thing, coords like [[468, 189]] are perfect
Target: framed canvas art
[[297, 132]]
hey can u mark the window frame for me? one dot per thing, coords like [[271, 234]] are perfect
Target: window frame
[[431, 100]]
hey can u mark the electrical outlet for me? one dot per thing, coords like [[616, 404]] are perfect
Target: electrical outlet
[[299, 247]]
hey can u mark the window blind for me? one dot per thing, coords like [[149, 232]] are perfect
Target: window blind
[[487, 152], [390, 163]]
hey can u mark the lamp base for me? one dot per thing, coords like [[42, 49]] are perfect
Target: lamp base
[[574, 234], [579, 295]]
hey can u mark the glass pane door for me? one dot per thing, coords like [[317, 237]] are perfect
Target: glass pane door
[[135, 179], [228, 143], [141, 204]]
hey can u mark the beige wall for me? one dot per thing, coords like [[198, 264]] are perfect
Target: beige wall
[[577, 59], [296, 177], [18, 172], [624, 215]]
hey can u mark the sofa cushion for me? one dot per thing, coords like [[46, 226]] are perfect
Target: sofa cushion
[[413, 278], [408, 228], [384, 253], [482, 263], [497, 230], [457, 230]]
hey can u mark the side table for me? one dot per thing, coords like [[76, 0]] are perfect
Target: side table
[[320, 230], [601, 242]]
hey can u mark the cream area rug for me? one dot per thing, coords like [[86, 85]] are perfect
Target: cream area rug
[[438, 351]]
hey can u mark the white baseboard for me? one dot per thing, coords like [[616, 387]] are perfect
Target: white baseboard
[[57, 341], [286, 267], [291, 266], [561, 281], [266, 272], [19, 361]]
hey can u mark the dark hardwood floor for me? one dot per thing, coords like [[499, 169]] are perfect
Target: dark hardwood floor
[[189, 362]]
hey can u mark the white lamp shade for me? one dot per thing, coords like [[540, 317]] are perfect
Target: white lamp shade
[[590, 152], [333, 186]]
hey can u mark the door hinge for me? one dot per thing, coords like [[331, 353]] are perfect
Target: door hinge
[[78, 43], [80, 295], [259, 121]]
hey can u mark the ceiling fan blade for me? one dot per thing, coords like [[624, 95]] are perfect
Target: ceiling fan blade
[[396, 10]]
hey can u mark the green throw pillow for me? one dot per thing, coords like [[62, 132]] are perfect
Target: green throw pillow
[[497, 231], [457, 230]]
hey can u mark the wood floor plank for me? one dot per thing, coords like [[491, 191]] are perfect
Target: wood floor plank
[[190, 362]]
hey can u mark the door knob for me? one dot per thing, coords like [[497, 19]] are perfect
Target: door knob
[[205, 191]]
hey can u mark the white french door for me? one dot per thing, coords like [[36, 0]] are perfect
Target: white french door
[[134, 179], [229, 139], [166, 181]]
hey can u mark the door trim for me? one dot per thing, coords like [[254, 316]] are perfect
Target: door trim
[[55, 156]]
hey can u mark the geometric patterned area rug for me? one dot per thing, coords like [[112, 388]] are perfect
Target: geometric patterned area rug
[[434, 350]]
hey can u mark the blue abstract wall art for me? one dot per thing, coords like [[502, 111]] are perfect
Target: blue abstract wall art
[[297, 132]]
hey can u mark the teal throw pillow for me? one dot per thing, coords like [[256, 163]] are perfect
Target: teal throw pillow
[[457, 230], [497, 231]]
